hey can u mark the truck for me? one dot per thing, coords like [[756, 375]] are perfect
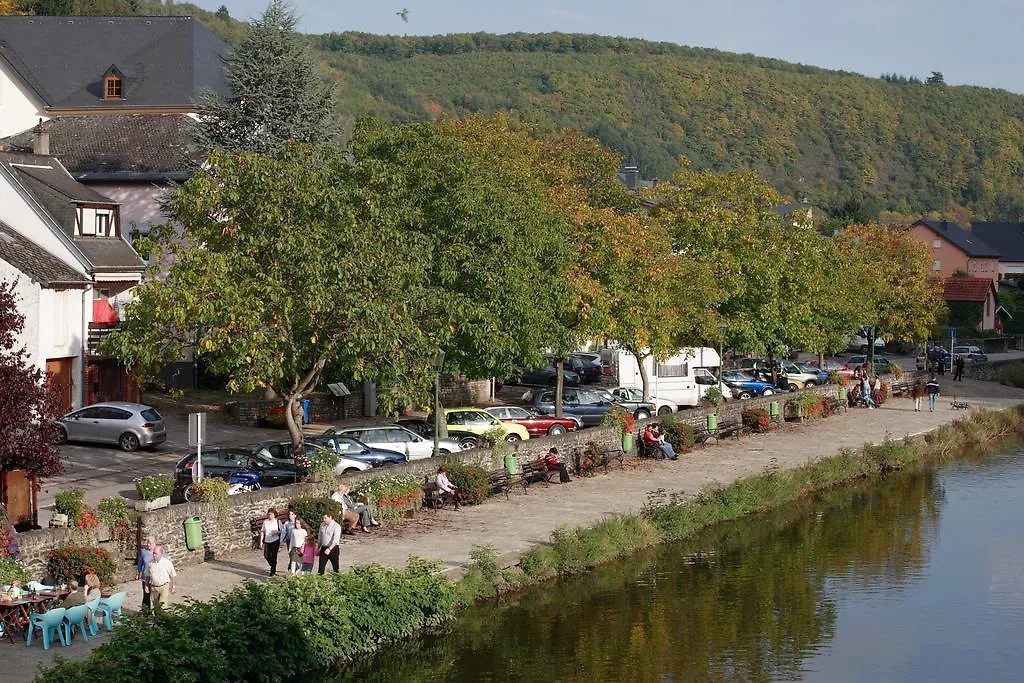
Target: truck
[[858, 341], [683, 378]]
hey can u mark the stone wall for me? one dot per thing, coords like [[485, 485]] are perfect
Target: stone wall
[[325, 408], [988, 371], [458, 391]]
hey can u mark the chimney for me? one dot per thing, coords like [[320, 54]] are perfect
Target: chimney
[[41, 141], [631, 176]]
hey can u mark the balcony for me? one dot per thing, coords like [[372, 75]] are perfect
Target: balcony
[[97, 333]]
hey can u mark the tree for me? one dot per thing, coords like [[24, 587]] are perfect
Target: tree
[[222, 13], [28, 408], [277, 91], [278, 268], [936, 79]]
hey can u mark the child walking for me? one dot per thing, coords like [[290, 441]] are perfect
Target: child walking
[[296, 545], [308, 554]]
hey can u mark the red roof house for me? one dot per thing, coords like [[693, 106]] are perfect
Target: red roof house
[[961, 291]]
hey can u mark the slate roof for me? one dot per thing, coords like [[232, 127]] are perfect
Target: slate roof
[[967, 289], [166, 61], [111, 146], [956, 235], [39, 264], [1006, 238]]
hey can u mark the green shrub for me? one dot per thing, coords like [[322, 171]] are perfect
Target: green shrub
[[113, 509], [312, 511], [392, 495], [1012, 375], [471, 480], [289, 628], [70, 503], [65, 564], [679, 434], [756, 420], [12, 570], [157, 486]]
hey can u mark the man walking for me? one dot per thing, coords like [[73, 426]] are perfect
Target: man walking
[[327, 540], [145, 557], [958, 368], [161, 577], [933, 392]]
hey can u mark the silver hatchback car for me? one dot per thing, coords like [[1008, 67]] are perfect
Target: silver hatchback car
[[129, 425]]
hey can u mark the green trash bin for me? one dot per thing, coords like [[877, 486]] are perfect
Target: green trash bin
[[842, 394], [193, 533], [712, 422], [773, 410], [511, 464], [627, 443]]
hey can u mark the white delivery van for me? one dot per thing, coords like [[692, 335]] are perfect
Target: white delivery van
[[683, 378]]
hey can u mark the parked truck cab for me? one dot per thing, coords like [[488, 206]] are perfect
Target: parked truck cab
[[683, 378]]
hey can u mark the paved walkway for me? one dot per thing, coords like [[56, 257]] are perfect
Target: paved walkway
[[524, 521]]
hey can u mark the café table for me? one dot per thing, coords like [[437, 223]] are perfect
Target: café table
[[15, 614]]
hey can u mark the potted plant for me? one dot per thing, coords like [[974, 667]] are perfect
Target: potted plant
[[154, 492], [624, 422]]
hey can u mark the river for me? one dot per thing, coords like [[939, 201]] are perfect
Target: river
[[919, 577]]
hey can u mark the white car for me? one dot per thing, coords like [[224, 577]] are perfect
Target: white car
[[633, 394], [349, 465], [398, 438]]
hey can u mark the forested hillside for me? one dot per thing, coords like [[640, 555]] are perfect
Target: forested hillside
[[882, 145]]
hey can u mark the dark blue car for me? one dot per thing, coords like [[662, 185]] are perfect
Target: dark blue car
[[349, 447], [745, 385]]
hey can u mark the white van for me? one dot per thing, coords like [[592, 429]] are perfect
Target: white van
[[683, 378]]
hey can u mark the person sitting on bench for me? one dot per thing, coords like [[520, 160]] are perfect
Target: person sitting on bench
[[445, 486], [551, 460], [652, 436]]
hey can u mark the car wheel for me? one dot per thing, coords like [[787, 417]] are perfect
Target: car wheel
[[128, 442], [349, 470], [810, 383], [768, 392], [664, 410], [444, 452], [642, 414], [62, 436], [555, 430], [469, 443], [793, 387], [513, 438], [744, 395], [188, 492]]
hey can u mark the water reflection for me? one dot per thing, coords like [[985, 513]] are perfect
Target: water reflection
[[749, 601]]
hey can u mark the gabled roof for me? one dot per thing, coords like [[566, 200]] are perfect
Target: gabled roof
[[118, 146], [963, 240], [165, 61], [39, 264], [973, 289], [1006, 238]]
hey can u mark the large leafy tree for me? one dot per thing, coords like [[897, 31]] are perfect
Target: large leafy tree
[[277, 93], [279, 267], [28, 408]]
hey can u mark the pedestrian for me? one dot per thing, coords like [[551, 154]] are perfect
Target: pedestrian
[[552, 463], [918, 393], [161, 577], [296, 543], [942, 360], [286, 533], [933, 392], [270, 539], [308, 552], [865, 392], [958, 368], [328, 539], [145, 557]]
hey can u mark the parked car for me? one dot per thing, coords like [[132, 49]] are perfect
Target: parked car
[[634, 395], [589, 406], [479, 421], [463, 439], [129, 425], [536, 425], [544, 377], [632, 403], [397, 437], [588, 368], [281, 452], [881, 363], [597, 358], [745, 385], [822, 375], [350, 447], [797, 377], [971, 354], [859, 341]]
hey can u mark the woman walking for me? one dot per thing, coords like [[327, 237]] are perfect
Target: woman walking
[[270, 539], [296, 540]]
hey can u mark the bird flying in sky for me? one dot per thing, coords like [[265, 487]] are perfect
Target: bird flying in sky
[[404, 14]]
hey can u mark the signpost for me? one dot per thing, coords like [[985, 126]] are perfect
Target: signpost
[[196, 437], [952, 341]]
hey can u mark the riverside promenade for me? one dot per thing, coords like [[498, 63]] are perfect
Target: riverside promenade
[[524, 521]]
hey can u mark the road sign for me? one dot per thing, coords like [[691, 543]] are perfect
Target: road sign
[[952, 333]]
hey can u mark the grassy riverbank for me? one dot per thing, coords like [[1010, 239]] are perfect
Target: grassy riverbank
[[670, 517], [282, 630]]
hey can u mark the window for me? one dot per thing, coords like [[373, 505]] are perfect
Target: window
[[937, 265], [983, 267], [667, 370], [936, 244], [102, 224], [113, 88]]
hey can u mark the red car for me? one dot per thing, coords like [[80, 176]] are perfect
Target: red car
[[536, 425]]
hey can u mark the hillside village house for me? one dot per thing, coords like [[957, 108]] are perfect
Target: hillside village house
[[977, 293], [62, 243], [1008, 240], [115, 95], [954, 249]]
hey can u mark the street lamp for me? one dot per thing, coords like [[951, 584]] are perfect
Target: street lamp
[[437, 362]]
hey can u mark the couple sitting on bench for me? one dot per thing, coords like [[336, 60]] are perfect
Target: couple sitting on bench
[[652, 438]]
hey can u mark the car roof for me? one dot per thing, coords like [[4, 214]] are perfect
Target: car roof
[[119, 404]]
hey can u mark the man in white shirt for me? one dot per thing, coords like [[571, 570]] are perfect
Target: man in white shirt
[[328, 540], [160, 576]]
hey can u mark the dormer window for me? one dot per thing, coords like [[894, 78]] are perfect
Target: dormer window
[[113, 87], [96, 221]]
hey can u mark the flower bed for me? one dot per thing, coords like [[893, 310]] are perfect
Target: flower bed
[[471, 480], [620, 419], [756, 420], [151, 488], [65, 564], [392, 496], [589, 460], [679, 434]]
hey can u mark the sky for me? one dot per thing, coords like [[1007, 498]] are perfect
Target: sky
[[975, 43]]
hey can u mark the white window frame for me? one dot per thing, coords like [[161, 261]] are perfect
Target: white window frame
[[936, 264], [936, 244]]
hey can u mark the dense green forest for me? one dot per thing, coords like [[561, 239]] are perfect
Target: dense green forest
[[890, 144]]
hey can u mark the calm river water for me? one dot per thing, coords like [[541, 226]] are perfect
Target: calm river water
[[919, 578]]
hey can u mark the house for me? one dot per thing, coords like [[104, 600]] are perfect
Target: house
[[972, 301], [80, 230], [116, 95], [956, 250], [1008, 240]]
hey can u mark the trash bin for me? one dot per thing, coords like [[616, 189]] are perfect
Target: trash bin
[[712, 422], [511, 465], [627, 443], [193, 533], [773, 410], [842, 394], [307, 410]]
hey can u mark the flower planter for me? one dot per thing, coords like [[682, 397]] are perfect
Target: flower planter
[[147, 505]]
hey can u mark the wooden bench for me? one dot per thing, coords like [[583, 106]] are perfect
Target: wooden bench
[[537, 470], [732, 426], [256, 526], [501, 480], [612, 454]]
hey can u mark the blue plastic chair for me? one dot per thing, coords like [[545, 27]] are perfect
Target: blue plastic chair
[[76, 616], [109, 607], [48, 623], [92, 605]]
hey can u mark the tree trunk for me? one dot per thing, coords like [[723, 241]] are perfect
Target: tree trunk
[[645, 382], [559, 385], [871, 350], [294, 428], [771, 366], [439, 416]]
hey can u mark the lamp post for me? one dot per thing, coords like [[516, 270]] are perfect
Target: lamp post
[[437, 362]]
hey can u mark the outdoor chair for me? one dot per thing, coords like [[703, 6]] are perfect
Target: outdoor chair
[[109, 607], [92, 605], [48, 623], [76, 616]]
